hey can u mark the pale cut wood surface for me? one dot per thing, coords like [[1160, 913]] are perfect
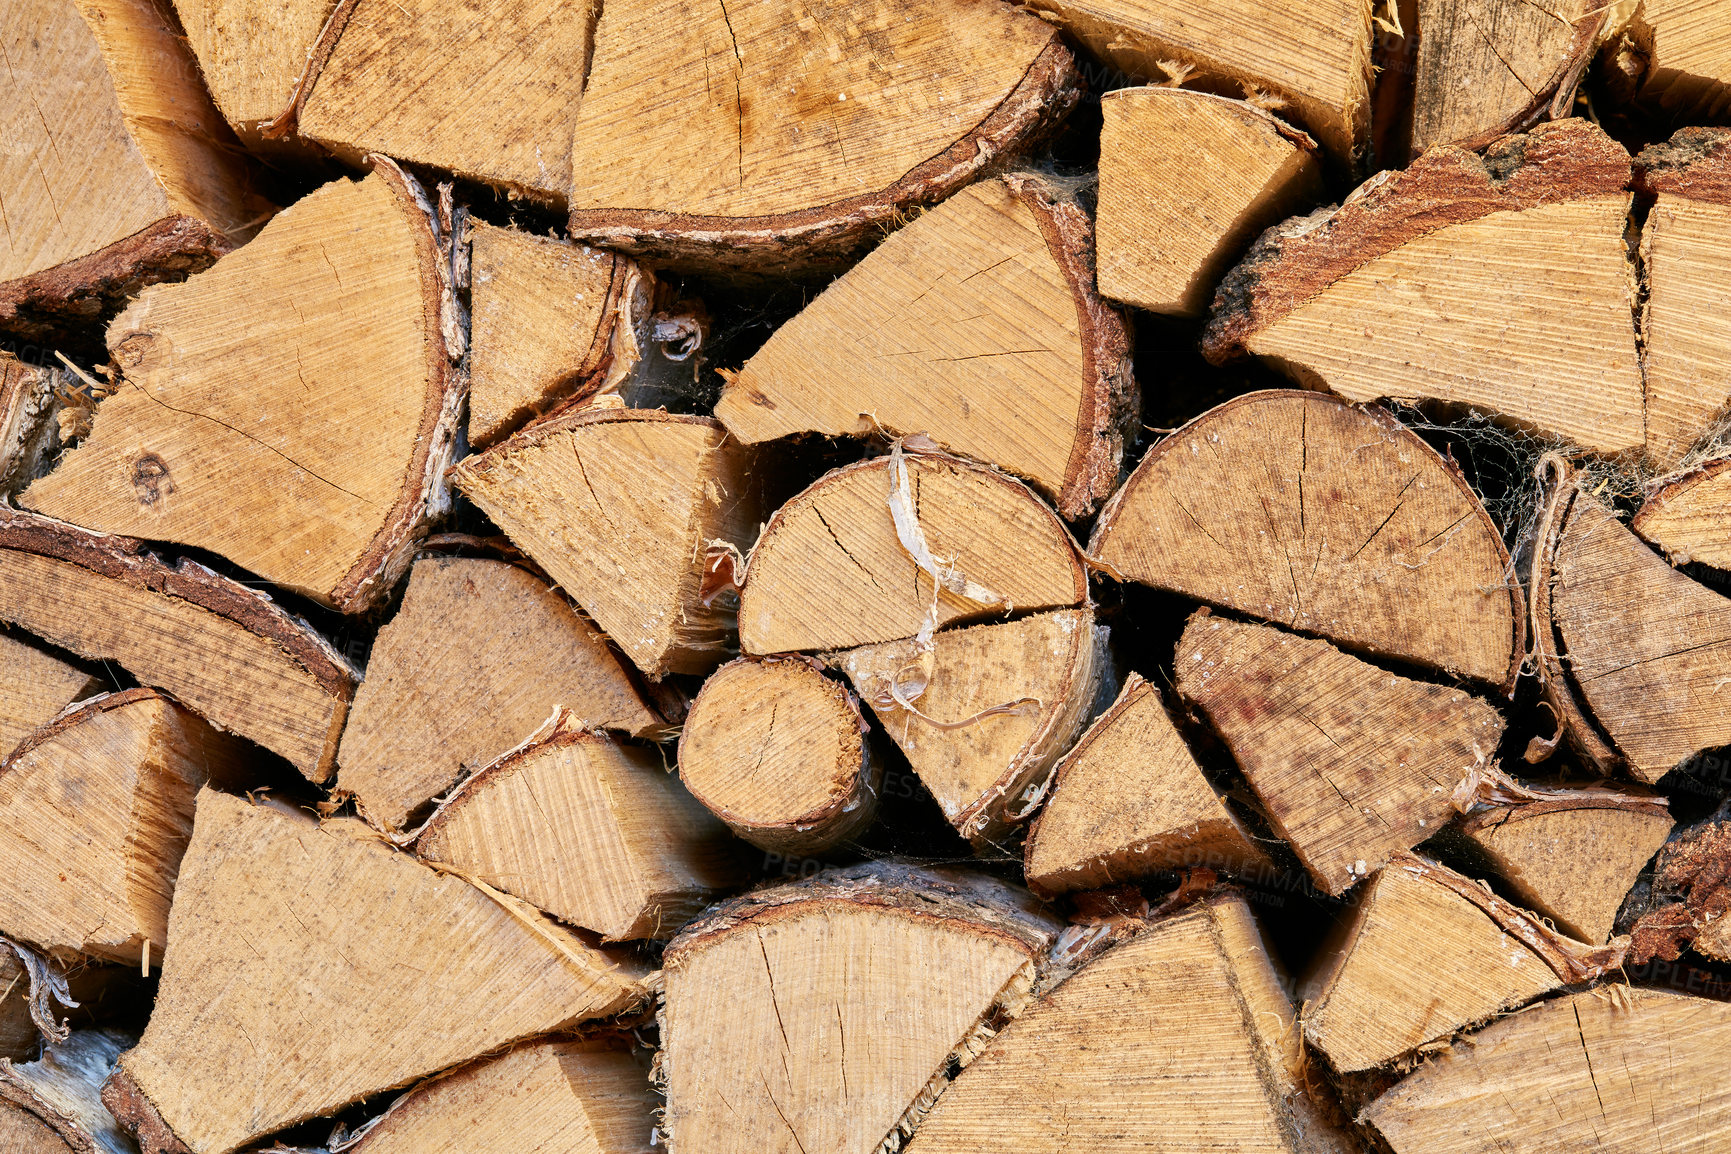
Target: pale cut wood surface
[[1647, 647], [489, 92], [809, 1018], [1352, 763], [550, 1097], [1315, 58], [1690, 517], [221, 649], [252, 54], [1686, 61], [477, 657], [36, 686], [978, 325], [598, 834], [1052, 664], [1187, 181], [1621, 1071], [829, 572], [1357, 530], [618, 506], [778, 751], [52, 1105], [1128, 801], [286, 993], [1686, 253], [1179, 1040], [288, 409]]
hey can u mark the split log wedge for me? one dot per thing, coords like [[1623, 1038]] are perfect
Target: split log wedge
[[978, 325], [619, 507], [826, 1015], [53, 1105], [761, 137], [292, 409], [1671, 60], [1359, 532], [36, 688], [1130, 801], [478, 656], [223, 650], [1352, 763], [266, 891], [1690, 517], [253, 58], [1500, 282], [596, 833]]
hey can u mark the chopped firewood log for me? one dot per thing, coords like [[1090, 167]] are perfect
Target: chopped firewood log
[[1229, 510], [1187, 181], [546, 1097], [1630, 649], [842, 565], [759, 136], [54, 1106], [223, 650], [619, 507], [977, 325], [95, 812], [487, 92], [1616, 1069], [37, 686], [293, 408], [311, 965], [1425, 952], [1690, 517], [984, 713], [1181, 1038], [1486, 68], [1686, 902], [479, 654], [597, 833], [1684, 330], [252, 58], [1352, 763], [1670, 60], [1501, 282], [778, 751], [1129, 801], [827, 1014], [118, 171], [31, 401]]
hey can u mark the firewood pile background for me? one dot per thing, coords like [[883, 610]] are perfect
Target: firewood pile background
[[851, 577]]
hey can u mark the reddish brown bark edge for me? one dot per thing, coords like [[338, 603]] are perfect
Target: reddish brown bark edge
[[139, 1116], [1694, 163]]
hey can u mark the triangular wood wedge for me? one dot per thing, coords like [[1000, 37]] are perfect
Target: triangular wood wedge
[[1684, 257], [54, 1106], [479, 654], [831, 571], [824, 1016], [487, 92], [1441, 283], [1690, 517], [596, 833], [223, 650], [95, 812], [978, 325], [1129, 801], [1671, 60], [778, 751], [254, 58], [1358, 531], [1180, 1039], [31, 401], [548, 1097], [619, 507], [118, 170], [311, 965], [1187, 181], [1640, 653], [1351, 763], [1619, 1069], [36, 687], [1425, 952], [1314, 60], [292, 409], [771, 142], [999, 705]]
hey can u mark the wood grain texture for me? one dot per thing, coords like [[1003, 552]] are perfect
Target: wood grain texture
[[37, 686], [1690, 517], [30, 407], [978, 325], [1685, 331], [1345, 793], [284, 997], [52, 1105], [1672, 60], [252, 55], [1325, 518], [478, 655], [828, 571], [242, 424]]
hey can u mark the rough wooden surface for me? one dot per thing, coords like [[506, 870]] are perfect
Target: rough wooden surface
[[30, 407], [37, 686], [1690, 517], [1672, 60], [252, 56], [53, 1105], [1684, 904]]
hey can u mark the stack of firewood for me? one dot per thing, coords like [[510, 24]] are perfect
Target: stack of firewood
[[439, 440]]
